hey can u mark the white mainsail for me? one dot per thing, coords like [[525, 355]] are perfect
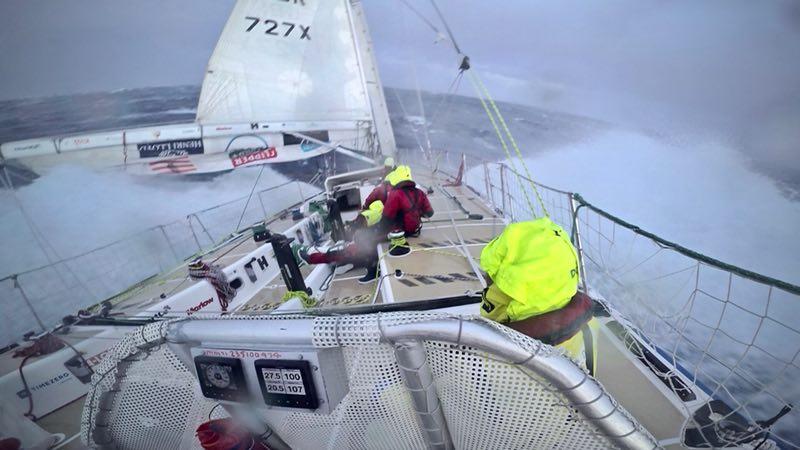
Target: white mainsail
[[279, 61], [281, 71]]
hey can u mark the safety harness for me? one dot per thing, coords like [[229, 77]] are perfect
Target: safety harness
[[556, 327]]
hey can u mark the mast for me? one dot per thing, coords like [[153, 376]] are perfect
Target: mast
[[372, 80]]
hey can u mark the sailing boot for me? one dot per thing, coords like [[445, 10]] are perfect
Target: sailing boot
[[300, 253], [372, 273], [398, 245]]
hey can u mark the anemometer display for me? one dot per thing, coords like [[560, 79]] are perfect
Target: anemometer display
[[287, 383], [283, 381]]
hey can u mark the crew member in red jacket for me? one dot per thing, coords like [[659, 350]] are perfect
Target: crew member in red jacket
[[406, 205], [381, 192], [402, 216]]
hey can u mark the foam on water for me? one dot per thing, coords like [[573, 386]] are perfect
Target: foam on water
[[77, 209], [705, 197], [702, 196]]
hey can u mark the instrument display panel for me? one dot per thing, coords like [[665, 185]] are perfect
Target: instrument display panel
[[287, 383], [221, 378]]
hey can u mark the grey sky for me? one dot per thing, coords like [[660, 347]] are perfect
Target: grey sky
[[64, 46], [729, 66]]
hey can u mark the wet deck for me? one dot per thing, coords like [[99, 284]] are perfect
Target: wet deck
[[437, 266], [157, 289]]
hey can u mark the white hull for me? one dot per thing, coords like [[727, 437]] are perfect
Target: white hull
[[187, 148]]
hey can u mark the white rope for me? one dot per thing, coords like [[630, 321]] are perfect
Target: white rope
[[247, 203], [462, 248]]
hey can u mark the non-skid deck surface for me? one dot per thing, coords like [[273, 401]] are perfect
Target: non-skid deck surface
[[269, 297], [436, 266], [345, 290]]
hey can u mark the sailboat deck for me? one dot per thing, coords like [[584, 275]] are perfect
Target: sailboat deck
[[155, 290], [345, 290], [437, 266]]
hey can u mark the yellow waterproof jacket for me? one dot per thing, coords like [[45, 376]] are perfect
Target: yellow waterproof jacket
[[373, 213], [535, 264]]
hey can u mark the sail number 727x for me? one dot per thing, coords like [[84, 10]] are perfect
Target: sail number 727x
[[276, 28]]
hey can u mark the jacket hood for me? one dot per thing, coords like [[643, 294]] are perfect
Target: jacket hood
[[405, 184], [399, 175]]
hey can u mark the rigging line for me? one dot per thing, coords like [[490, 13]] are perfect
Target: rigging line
[[510, 138], [421, 17], [253, 189], [40, 238], [446, 102], [405, 114], [37, 235], [425, 149], [505, 148], [480, 87], [443, 108], [28, 302], [421, 107], [463, 248], [446, 27]]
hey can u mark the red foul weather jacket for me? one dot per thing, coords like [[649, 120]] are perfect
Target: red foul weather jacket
[[405, 206], [381, 192]]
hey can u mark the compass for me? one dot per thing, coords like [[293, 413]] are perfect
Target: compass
[[219, 376]]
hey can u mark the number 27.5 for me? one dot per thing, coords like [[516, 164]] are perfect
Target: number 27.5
[[272, 26]]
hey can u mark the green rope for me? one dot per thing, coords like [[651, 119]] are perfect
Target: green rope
[[398, 242], [482, 91], [306, 300], [503, 144]]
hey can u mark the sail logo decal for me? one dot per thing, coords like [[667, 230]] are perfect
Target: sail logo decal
[[250, 155], [199, 306], [27, 147], [58, 379], [97, 359], [275, 28], [178, 147], [177, 165]]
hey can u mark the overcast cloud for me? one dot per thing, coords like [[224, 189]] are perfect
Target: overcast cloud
[[730, 68]]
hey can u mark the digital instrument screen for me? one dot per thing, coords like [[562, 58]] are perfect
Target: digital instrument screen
[[221, 378], [287, 383]]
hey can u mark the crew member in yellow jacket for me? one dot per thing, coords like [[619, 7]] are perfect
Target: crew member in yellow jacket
[[533, 288]]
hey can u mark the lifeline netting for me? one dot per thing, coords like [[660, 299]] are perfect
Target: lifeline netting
[[45, 294], [734, 333]]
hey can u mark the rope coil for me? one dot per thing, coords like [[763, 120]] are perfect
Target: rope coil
[[306, 300], [199, 270]]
